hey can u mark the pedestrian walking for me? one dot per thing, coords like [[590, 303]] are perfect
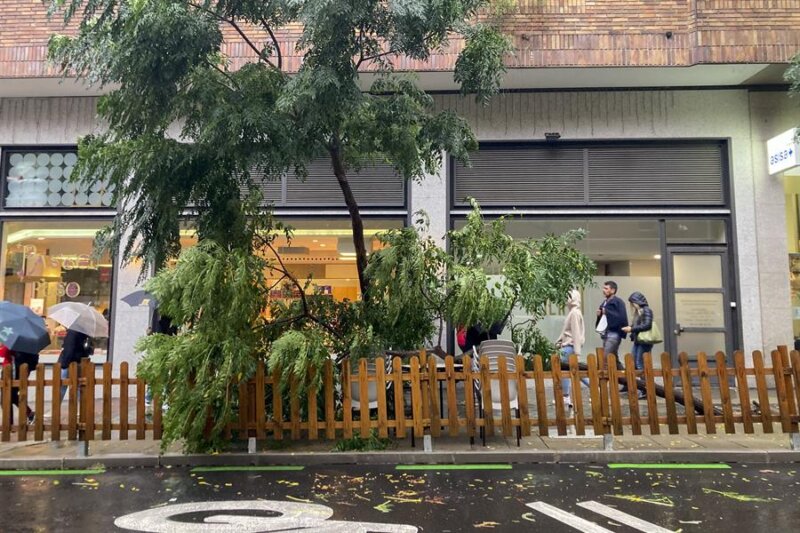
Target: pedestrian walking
[[642, 321], [611, 318], [76, 347], [573, 335], [17, 359]]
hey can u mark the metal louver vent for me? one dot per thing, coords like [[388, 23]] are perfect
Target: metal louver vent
[[656, 175], [521, 176], [594, 174], [374, 186]]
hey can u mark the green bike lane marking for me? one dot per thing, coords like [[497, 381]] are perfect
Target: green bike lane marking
[[671, 466], [270, 468], [491, 466], [66, 472]]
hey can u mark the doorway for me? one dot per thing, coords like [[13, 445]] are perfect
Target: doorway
[[698, 303]]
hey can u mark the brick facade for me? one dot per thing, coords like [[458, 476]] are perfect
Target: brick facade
[[546, 33]]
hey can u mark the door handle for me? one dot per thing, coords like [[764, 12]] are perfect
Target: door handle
[[678, 329]]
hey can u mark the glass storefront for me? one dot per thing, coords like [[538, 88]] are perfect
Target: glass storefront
[[49, 262], [323, 250], [629, 252]]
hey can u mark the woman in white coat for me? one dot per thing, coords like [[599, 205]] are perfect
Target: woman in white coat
[[573, 335]]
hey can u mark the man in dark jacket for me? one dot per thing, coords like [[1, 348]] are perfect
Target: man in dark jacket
[[74, 349], [616, 316]]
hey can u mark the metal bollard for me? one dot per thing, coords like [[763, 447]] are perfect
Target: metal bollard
[[427, 443], [795, 441], [83, 448], [251, 445], [608, 442]]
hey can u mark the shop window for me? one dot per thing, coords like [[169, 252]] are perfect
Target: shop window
[[625, 251], [46, 263], [322, 249], [41, 178]]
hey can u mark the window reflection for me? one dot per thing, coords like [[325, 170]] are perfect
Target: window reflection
[[46, 263]]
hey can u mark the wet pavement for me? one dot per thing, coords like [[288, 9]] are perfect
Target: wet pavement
[[443, 498]]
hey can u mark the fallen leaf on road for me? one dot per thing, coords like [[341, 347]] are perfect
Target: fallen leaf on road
[[487, 524]]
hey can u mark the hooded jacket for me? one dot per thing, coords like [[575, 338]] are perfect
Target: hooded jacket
[[643, 319], [573, 333]]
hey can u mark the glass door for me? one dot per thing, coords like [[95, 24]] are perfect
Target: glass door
[[700, 309]]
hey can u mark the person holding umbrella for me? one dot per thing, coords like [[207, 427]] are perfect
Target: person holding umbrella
[[82, 322], [22, 334]]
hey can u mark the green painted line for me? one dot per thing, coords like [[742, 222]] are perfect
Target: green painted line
[[247, 469], [455, 467], [671, 466], [87, 472]]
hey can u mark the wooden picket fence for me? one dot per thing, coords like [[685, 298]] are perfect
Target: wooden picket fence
[[423, 395]]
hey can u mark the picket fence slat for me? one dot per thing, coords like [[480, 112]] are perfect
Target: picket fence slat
[[650, 389], [633, 395], [399, 398], [505, 398], [594, 395], [688, 395], [705, 393], [72, 407], [469, 397], [277, 406], [763, 396], [577, 395], [522, 390], [38, 425], [416, 398], [787, 380], [616, 407], [725, 393], [780, 391], [486, 389], [123, 400], [452, 403], [107, 376], [558, 395], [744, 392], [260, 401], [669, 393], [433, 398], [795, 363], [541, 397], [22, 418]]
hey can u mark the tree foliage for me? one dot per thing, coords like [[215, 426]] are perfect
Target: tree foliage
[[186, 128], [217, 292]]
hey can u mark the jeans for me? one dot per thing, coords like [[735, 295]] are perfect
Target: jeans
[[611, 342], [566, 383], [638, 354]]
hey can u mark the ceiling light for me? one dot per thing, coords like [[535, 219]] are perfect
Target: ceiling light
[[657, 256]]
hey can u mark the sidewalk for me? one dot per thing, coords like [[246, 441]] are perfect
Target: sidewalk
[[740, 448]]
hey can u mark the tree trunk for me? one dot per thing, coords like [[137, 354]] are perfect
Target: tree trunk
[[697, 404], [355, 215]]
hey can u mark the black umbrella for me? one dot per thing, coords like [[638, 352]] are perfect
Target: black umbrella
[[140, 297], [22, 330]]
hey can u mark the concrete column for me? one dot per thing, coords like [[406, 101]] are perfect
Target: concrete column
[[772, 113], [430, 195]]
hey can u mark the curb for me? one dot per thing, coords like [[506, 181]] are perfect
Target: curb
[[394, 458]]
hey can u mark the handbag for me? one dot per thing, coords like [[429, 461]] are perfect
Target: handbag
[[602, 325], [650, 336]]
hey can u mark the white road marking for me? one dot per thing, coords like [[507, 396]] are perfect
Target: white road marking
[[625, 518], [567, 518], [305, 517]]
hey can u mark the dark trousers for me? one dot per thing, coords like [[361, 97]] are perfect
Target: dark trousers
[[20, 359]]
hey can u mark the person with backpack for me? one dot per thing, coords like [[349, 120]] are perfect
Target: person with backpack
[[642, 321]]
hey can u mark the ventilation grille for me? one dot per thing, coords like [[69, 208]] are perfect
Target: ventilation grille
[[645, 174], [375, 186]]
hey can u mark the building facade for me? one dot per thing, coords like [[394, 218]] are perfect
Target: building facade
[[644, 122]]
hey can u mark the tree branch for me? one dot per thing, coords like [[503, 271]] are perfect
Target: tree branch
[[274, 42], [236, 27]]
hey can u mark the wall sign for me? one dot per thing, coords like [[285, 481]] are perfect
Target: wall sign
[[782, 152]]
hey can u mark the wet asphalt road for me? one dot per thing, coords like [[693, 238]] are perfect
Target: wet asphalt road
[[385, 498]]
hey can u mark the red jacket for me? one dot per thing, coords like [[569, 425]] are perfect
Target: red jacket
[[6, 357]]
